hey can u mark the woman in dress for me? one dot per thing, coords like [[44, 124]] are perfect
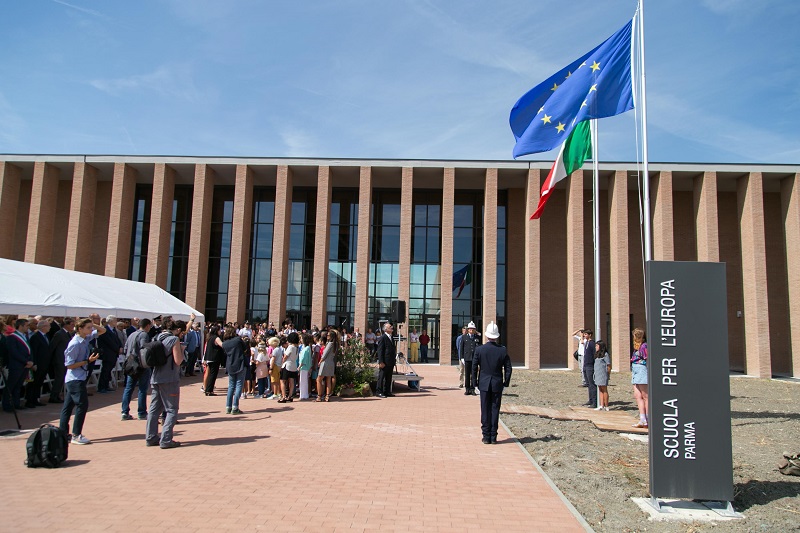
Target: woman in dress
[[211, 360], [304, 366], [327, 365], [602, 371], [639, 375]]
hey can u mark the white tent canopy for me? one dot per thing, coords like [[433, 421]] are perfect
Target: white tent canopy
[[30, 289]]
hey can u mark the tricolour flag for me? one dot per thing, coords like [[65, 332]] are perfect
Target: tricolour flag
[[576, 149], [598, 85], [462, 278]]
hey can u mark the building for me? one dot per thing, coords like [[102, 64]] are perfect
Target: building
[[335, 241]]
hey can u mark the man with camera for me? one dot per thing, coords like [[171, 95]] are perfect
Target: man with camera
[[78, 358]]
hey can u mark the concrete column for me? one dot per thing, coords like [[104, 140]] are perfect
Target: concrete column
[[81, 218], [619, 269], [754, 275], [120, 228], [197, 268], [41, 221], [516, 260], [706, 217], [242, 230], [790, 200], [448, 221], [533, 273], [319, 303], [280, 245], [575, 262], [10, 176], [490, 248], [663, 221], [363, 253], [160, 225], [406, 223]]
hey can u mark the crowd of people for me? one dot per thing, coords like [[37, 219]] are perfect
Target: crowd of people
[[260, 361]]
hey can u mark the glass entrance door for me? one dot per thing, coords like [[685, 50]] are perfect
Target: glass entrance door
[[430, 323]]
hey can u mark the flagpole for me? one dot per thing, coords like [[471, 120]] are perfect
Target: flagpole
[[646, 179], [596, 227]]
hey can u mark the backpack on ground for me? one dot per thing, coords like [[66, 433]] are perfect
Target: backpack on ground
[[153, 354], [48, 446]]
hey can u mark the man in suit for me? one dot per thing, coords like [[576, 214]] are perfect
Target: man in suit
[[18, 361], [57, 370], [40, 353], [469, 343], [495, 373], [110, 348], [387, 353], [588, 367]]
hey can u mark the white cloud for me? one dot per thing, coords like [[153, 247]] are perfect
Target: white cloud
[[81, 9], [12, 125], [175, 82], [693, 123], [298, 143]]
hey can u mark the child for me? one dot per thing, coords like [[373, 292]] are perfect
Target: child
[[275, 362], [249, 375], [602, 371], [262, 369]]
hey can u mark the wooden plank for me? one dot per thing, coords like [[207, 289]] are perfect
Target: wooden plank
[[619, 421]]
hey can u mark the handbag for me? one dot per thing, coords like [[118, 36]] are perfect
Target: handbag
[[575, 355]]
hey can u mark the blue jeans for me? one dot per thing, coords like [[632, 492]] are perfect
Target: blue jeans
[[235, 383], [143, 383], [74, 396], [423, 350], [263, 385]]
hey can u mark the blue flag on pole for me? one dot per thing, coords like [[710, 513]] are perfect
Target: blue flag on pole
[[598, 85]]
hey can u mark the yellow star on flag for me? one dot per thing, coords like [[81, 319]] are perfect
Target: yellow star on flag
[[560, 127], [555, 86], [546, 119], [595, 66], [568, 74], [540, 110], [594, 88]]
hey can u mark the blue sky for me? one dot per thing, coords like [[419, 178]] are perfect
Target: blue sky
[[408, 79]]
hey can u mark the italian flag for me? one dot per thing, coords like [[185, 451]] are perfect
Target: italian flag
[[575, 150]]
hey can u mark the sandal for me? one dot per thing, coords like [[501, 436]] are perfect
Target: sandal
[[282, 400], [319, 399], [328, 398], [639, 425]]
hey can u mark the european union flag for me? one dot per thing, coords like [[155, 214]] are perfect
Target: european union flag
[[597, 85]]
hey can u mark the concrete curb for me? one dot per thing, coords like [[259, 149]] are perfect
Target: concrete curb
[[549, 481]]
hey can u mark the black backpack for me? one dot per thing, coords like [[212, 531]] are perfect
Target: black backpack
[[133, 366], [153, 354], [48, 446]]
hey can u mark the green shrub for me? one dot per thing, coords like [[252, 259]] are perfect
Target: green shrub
[[353, 366]]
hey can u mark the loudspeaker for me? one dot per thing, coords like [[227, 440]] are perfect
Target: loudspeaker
[[398, 311]]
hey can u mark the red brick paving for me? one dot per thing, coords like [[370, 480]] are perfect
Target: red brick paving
[[409, 463]]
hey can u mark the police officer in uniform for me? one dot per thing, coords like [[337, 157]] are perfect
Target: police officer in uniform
[[495, 373]]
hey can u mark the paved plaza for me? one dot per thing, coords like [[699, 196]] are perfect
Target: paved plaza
[[414, 462]]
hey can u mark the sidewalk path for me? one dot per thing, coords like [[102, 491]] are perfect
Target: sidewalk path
[[414, 462]]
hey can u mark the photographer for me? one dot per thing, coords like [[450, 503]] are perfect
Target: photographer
[[77, 359]]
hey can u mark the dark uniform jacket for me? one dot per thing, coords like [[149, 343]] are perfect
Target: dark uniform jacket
[[495, 367], [468, 346]]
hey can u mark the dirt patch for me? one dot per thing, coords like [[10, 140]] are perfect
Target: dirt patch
[[599, 472]]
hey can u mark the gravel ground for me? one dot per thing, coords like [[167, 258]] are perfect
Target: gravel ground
[[599, 472]]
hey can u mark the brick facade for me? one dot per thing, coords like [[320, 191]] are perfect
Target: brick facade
[[52, 208]]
